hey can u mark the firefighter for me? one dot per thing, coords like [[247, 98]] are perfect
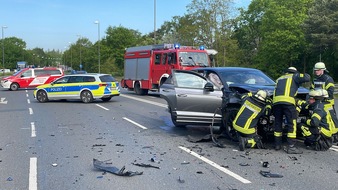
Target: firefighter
[[245, 122], [284, 104], [323, 80], [320, 126]]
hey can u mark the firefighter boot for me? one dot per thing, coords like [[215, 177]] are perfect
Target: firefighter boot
[[278, 143], [242, 142], [245, 142], [291, 149]]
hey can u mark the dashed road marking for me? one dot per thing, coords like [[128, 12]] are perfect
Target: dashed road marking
[[133, 122], [30, 111], [33, 183], [33, 129], [145, 101], [102, 107]]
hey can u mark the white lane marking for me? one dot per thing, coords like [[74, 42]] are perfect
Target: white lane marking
[[145, 101], [33, 183], [27, 95], [232, 174], [33, 129], [2, 101], [334, 148], [30, 111], [26, 90], [133, 122], [28, 101], [102, 107]]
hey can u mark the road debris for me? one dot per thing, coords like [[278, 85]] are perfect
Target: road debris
[[244, 164], [180, 180], [146, 165], [114, 170], [266, 164], [269, 174], [206, 138]]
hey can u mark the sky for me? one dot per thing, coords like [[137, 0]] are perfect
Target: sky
[[55, 24]]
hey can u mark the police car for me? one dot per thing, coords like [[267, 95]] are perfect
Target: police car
[[86, 87]]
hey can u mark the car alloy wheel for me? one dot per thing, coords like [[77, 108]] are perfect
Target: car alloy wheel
[[86, 96], [41, 96]]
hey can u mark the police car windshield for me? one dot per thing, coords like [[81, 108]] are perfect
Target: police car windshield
[[194, 59]]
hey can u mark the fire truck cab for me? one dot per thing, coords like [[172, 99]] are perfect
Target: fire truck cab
[[147, 67]]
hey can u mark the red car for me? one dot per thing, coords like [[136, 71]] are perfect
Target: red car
[[31, 77]]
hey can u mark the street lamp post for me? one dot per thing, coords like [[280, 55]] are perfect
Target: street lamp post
[[98, 41], [80, 51], [3, 50], [71, 55]]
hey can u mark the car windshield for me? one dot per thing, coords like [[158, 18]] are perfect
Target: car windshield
[[107, 78], [246, 77], [194, 59]]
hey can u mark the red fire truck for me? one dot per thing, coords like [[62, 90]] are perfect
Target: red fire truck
[[147, 67]]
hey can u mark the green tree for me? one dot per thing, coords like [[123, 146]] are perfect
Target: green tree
[[321, 29], [116, 41], [14, 51]]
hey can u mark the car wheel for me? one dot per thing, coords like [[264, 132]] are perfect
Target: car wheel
[[139, 90], [86, 96], [41, 96], [174, 119], [14, 86], [105, 99], [228, 118]]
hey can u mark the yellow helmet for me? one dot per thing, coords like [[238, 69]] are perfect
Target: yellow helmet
[[261, 94], [319, 66]]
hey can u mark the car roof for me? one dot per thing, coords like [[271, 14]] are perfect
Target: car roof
[[217, 69], [88, 74]]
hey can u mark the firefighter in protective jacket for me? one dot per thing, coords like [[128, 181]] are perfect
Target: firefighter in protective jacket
[[284, 104], [245, 123], [320, 127], [323, 81]]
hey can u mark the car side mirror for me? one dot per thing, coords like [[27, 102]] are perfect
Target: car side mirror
[[209, 87]]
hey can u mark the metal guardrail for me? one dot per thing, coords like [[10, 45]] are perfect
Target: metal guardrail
[[335, 89]]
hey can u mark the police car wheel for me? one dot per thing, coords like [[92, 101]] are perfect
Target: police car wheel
[[41, 96], [86, 96]]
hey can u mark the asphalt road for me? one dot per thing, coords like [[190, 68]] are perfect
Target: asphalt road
[[52, 146]]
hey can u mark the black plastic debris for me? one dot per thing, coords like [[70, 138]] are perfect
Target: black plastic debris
[[9, 179], [244, 164], [94, 145], [293, 158], [114, 170], [118, 144], [266, 164], [180, 180], [269, 174], [146, 165]]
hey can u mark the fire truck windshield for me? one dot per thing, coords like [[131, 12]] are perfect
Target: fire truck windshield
[[194, 59]]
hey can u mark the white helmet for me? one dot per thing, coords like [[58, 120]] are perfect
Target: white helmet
[[291, 70], [261, 94], [319, 66], [319, 93]]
